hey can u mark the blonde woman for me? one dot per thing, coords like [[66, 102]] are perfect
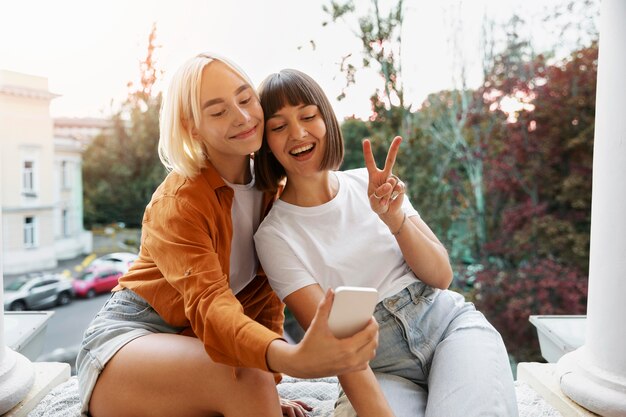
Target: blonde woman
[[194, 329]]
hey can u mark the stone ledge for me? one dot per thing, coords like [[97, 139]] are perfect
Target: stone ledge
[[543, 379], [47, 376]]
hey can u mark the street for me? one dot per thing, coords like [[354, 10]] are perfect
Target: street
[[65, 328]]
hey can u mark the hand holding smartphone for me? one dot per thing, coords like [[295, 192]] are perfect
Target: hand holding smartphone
[[351, 310]]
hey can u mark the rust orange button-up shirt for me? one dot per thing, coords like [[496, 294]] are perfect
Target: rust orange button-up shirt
[[183, 271]]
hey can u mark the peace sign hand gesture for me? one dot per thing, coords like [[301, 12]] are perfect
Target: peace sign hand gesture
[[385, 190]]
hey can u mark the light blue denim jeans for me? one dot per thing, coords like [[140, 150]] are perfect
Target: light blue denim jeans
[[446, 353]]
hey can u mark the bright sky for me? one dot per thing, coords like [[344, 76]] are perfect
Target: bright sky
[[89, 50]]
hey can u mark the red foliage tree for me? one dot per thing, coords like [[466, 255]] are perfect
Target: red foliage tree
[[538, 178], [542, 287]]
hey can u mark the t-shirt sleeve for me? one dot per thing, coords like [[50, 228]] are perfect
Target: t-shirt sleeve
[[283, 268]]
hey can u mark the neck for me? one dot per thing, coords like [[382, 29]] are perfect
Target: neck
[[235, 170], [310, 191]]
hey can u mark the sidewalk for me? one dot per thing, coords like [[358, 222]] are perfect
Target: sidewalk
[[66, 267], [111, 239]]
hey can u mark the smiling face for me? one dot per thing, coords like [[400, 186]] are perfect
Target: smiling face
[[296, 136], [231, 122], [302, 134]]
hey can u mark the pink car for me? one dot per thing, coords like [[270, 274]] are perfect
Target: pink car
[[95, 280]]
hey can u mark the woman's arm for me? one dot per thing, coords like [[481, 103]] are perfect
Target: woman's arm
[[361, 387], [421, 249], [320, 353]]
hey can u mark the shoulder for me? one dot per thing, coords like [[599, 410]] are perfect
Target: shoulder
[[358, 174], [178, 194], [266, 238], [276, 225], [354, 177], [269, 223], [176, 185]]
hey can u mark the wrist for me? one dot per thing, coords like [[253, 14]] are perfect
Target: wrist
[[277, 356], [395, 222]]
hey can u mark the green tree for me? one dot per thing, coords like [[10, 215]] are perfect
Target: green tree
[[380, 33], [501, 172], [121, 167], [439, 140], [354, 131]]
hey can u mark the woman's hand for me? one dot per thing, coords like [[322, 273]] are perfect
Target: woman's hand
[[320, 353], [385, 190], [294, 408]]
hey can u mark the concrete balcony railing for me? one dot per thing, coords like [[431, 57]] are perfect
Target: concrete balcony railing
[[24, 335]]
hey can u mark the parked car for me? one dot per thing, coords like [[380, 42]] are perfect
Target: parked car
[[96, 280], [37, 291], [118, 260]]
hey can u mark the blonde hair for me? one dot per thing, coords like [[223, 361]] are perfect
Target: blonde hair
[[181, 113]]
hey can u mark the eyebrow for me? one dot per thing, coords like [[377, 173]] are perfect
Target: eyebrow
[[221, 100]]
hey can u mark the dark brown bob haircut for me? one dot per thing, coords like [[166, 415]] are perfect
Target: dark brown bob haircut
[[291, 87]]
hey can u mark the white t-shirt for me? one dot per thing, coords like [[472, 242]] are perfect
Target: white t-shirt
[[246, 215], [342, 242]]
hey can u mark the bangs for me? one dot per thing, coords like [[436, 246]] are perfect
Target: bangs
[[291, 87], [284, 89]]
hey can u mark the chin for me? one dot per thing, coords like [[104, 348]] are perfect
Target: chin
[[253, 145]]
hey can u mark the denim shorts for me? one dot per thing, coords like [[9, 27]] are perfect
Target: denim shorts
[[123, 318]]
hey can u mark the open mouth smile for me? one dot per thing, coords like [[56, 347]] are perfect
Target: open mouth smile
[[302, 150]]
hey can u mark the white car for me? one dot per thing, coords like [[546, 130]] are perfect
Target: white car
[[118, 260]]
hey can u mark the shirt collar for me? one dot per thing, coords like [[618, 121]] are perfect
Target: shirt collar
[[213, 177]]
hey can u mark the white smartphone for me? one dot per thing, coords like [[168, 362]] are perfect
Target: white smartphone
[[351, 310]]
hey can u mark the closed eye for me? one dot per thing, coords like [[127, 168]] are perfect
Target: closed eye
[[277, 128]]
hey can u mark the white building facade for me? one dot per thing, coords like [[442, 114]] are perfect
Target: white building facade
[[41, 180], [70, 239]]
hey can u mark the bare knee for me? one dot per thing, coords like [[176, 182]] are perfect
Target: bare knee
[[255, 379], [259, 389]]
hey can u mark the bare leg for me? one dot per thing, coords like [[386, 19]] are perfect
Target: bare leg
[[172, 375]]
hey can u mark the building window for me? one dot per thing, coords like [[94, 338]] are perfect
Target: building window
[[30, 232], [28, 177], [66, 174], [66, 222]]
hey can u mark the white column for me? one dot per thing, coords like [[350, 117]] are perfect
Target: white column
[[594, 376], [17, 373]]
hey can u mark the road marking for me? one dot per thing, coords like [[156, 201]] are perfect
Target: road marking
[[88, 259]]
